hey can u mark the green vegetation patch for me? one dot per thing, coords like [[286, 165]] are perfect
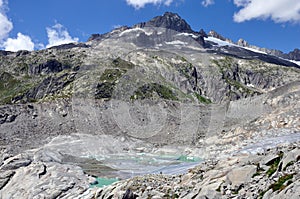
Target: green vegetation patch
[[262, 193], [149, 90], [122, 64], [239, 86], [111, 74], [223, 64], [202, 99], [185, 69], [274, 164], [108, 79], [104, 90], [11, 87], [280, 184], [226, 65]]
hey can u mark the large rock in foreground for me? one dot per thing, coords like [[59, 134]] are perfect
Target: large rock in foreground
[[40, 175]]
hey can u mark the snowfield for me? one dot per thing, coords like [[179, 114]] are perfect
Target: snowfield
[[138, 30], [176, 42], [220, 42], [296, 62]]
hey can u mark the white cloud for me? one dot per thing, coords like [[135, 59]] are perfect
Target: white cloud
[[39, 46], [241, 3], [206, 3], [141, 3], [22, 42], [58, 35], [5, 24], [116, 26], [278, 10]]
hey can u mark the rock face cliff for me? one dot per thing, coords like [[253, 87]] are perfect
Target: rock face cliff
[[68, 113]]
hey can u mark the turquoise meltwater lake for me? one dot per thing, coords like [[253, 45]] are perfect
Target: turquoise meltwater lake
[[130, 165]]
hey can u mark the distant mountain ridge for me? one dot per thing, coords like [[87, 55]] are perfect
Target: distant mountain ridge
[[293, 55], [174, 22]]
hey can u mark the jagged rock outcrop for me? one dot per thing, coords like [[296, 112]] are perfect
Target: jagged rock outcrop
[[294, 55], [242, 42], [48, 87], [214, 34], [203, 33], [51, 66]]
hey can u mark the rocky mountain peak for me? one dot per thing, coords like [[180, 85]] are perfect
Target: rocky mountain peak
[[168, 20], [214, 34], [242, 42], [294, 55]]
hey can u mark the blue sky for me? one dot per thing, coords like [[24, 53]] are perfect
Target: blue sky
[[36, 24]]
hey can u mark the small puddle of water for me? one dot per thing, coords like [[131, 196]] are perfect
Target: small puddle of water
[[101, 182]]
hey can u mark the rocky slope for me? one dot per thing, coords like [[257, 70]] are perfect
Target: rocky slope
[[142, 99]]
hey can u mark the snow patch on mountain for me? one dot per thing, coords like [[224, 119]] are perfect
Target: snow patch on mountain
[[219, 42], [188, 35], [254, 50], [296, 62], [138, 30], [176, 42]]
